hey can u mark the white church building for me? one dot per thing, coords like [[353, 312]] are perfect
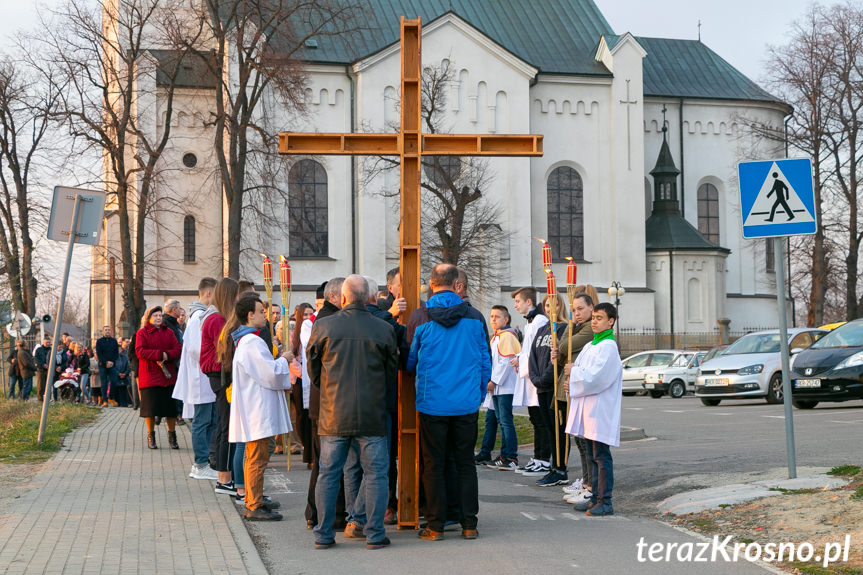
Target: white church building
[[605, 192]]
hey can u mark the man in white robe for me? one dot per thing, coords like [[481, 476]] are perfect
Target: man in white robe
[[595, 386], [259, 410]]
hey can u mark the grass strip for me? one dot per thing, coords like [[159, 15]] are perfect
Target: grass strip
[[19, 428]]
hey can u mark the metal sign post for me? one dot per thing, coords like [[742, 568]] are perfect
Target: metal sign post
[[87, 209], [777, 200]]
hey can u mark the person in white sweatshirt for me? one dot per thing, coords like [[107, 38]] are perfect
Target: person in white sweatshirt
[[595, 386], [525, 393], [257, 395], [193, 386]]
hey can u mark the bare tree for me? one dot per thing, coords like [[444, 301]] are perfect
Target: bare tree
[[25, 108], [461, 224], [106, 52], [257, 45]]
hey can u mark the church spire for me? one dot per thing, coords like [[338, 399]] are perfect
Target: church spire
[[665, 177]]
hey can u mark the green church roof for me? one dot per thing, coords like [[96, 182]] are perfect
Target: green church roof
[[664, 231], [555, 36]]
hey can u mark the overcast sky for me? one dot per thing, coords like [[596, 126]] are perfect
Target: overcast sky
[[738, 30]]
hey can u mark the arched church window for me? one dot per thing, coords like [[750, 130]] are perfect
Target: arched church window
[[308, 223], [566, 213], [189, 239], [708, 212]]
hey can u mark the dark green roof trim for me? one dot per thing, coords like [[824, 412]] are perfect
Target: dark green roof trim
[[672, 232], [689, 69]]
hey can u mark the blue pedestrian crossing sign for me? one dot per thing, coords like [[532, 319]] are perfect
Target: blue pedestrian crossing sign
[[777, 198]]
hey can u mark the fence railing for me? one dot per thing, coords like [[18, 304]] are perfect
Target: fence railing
[[634, 341]]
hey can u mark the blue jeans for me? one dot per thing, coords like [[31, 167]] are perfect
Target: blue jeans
[[26, 385], [601, 470], [203, 427], [12, 379], [108, 377], [355, 495], [508, 440], [489, 436], [374, 458], [237, 457]]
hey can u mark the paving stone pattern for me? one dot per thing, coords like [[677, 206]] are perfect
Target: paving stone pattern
[[107, 504]]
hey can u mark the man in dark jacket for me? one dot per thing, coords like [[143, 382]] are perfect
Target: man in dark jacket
[[541, 373], [107, 351], [451, 358], [332, 304], [26, 369], [13, 373], [42, 356], [352, 358]]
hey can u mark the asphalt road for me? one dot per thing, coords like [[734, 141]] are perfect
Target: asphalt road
[[524, 528]]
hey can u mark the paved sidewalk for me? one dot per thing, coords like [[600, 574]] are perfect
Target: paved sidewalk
[[107, 504]]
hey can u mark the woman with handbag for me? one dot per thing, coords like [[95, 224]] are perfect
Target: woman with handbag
[[158, 350]]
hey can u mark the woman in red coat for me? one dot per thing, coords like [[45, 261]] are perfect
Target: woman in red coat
[[158, 353]]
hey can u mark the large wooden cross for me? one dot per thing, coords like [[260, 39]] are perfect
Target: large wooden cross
[[410, 144]]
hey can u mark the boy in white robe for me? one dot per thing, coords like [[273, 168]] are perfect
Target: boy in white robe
[[258, 407], [595, 386]]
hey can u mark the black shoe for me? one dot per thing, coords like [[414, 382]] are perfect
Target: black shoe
[[261, 514], [226, 488], [172, 440], [482, 458], [324, 544], [379, 544], [600, 510], [151, 441], [181, 421], [271, 503], [554, 477], [158, 419]]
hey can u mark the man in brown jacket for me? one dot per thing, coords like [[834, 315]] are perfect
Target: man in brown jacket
[[26, 370], [352, 356]]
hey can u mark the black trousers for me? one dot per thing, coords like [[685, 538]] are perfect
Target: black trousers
[[561, 437], [440, 435], [223, 411], [543, 443]]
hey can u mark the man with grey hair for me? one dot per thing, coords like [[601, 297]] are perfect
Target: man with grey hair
[[171, 316], [352, 358]]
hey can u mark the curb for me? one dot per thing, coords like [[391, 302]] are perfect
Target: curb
[[251, 558], [632, 434]]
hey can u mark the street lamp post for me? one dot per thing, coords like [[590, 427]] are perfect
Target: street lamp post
[[616, 291]]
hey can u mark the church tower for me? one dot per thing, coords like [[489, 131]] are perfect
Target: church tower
[[686, 271]]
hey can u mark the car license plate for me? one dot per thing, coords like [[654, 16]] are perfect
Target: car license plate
[[649, 386], [716, 381], [807, 383]]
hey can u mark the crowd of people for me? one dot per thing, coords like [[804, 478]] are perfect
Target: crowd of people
[[330, 393]]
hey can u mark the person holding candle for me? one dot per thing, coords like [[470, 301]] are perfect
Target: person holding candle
[[541, 371], [595, 386], [525, 393]]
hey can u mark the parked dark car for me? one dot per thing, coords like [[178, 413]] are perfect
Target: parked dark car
[[831, 369]]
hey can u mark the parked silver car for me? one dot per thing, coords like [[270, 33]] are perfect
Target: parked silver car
[[750, 367], [636, 366], [677, 378]]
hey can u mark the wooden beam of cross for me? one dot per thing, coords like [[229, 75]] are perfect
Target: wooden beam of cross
[[410, 144]]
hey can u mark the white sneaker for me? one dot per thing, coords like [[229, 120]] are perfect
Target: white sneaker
[[203, 472], [583, 495], [574, 487]]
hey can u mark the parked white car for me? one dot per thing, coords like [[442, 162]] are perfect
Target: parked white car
[[677, 378], [750, 367], [637, 365]]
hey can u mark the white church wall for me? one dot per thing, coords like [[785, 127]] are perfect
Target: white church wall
[[489, 94], [715, 140]]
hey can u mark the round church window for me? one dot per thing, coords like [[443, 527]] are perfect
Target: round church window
[[190, 160]]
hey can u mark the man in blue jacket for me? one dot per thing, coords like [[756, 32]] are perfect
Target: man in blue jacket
[[449, 353]]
